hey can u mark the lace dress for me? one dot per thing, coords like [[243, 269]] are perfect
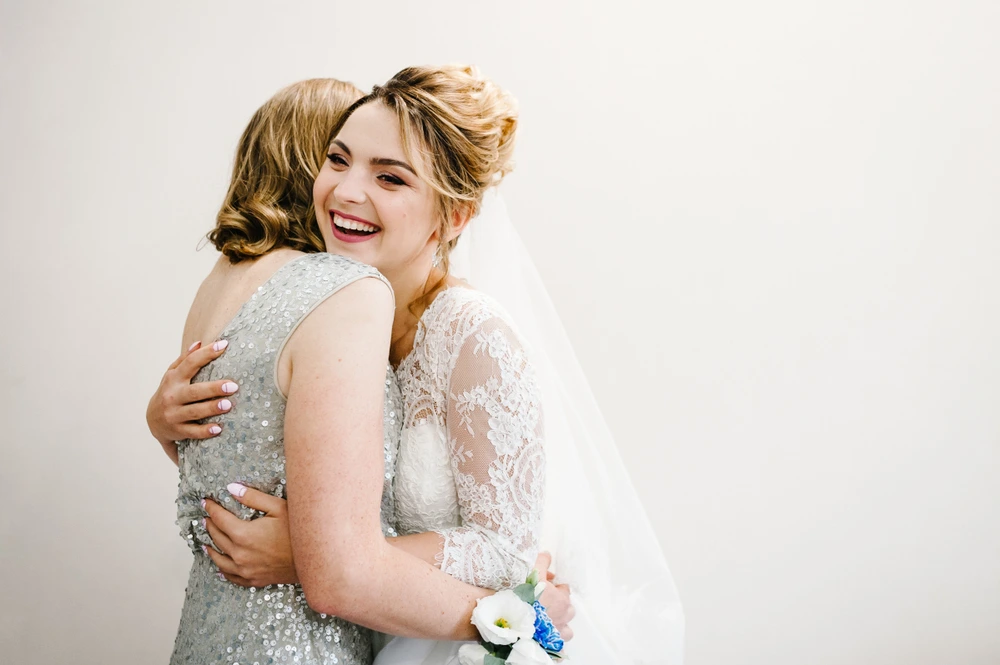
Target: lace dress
[[471, 463]]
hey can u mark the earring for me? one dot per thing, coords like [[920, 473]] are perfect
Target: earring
[[438, 256]]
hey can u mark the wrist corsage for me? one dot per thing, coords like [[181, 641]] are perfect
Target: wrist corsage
[[514, 629]]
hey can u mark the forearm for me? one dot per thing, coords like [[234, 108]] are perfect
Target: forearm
[[472, 555], [394, 592], [498, 457], [425, 546], [484, 558]]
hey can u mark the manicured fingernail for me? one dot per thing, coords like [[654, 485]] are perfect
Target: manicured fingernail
[[229, 387], [192, 347], [221, 576], [203, 525], [203, 504], [204, 549], [236, 489], [221, 344], [225, 405], [214, 429]]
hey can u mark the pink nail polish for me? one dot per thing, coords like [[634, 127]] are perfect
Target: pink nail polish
[[203, 504], [214, 429], [221, 344], [236, 489], [225, 405], [191, 348], [221, 576], [229, 387], [204, 550], [203, 525]]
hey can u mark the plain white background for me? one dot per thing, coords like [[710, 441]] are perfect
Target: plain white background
[[771, 229]]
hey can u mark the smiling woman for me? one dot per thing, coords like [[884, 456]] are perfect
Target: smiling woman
[[406, 175], [446, 130], [371, 205]]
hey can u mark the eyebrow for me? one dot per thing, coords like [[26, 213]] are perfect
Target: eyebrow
[[378, 161]]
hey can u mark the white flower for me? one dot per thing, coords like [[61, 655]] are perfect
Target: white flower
[[528, 652], [472, 654], [503, 618]]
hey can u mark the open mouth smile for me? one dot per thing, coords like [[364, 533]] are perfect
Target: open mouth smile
[[348, 228]]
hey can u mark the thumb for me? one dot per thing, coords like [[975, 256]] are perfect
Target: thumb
[[256, 499], [542, 564]]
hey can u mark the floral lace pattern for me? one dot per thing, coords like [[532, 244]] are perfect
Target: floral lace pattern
[[471, 463]]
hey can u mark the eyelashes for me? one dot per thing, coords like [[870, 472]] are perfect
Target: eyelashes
[[338, 160], [391, 179]]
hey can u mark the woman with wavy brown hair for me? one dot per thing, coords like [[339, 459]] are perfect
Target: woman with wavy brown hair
[[267, 207]]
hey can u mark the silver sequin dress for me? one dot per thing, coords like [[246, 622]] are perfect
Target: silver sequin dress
[[222, 622]]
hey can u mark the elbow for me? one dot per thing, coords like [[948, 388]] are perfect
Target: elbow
[[326, 601], [337, 593], [322, 596], [339, 586]]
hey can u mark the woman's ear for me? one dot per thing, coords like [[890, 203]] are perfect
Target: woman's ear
[[460, 218]]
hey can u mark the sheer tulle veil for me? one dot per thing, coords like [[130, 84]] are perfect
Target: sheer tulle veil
[[603, 545]]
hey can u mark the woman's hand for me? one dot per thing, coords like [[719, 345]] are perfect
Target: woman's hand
[[177, 405], [256, 552], [556, 598]]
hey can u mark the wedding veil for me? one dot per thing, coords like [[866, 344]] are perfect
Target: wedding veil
[[601, 540]]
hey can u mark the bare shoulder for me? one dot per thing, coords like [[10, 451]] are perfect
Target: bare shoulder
[[371, 292], [351, 327], [227, 287], [357, 314], [206, 299]]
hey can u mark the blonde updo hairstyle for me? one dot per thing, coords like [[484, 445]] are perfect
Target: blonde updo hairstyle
[[457, 129], [269, 203]]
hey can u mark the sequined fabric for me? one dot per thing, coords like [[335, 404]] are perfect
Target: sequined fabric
[[222, 622]]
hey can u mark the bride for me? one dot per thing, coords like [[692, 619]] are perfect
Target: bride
[[471, 465]]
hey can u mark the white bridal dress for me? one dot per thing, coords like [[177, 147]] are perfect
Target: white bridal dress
[[494, 402]]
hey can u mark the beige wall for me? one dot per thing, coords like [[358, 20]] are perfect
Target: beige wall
[[771, 229]]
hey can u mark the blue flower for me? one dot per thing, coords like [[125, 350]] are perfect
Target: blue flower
[[546, 633]]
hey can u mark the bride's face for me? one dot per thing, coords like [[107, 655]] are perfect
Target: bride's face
[[370, 204]]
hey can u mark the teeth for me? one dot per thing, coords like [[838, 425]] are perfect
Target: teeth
[[353, 224]]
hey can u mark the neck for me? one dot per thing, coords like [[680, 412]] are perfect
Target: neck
[[407, 288]]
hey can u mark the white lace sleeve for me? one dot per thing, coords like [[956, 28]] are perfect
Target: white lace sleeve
[[494, 424]]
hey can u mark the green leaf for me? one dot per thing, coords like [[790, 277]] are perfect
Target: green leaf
[[493, 660], [525, 592], [503, 651], [532, 578]]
